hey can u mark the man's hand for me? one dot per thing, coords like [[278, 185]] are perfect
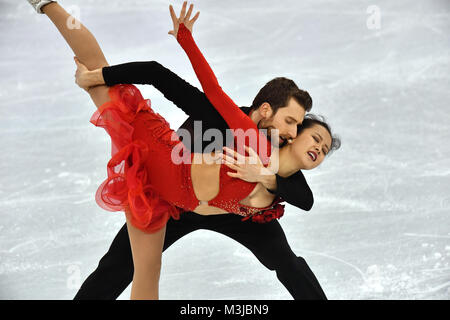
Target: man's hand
[[184, 18], [86, 79], [249, 168]]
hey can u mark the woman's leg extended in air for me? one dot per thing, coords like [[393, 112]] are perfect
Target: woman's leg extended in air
[[146, 248], [83, 44]]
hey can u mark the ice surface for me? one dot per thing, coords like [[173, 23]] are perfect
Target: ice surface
[[380, 225]]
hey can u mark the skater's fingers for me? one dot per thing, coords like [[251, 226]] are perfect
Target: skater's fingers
[[183, 11], [237, 156], [231, 166], [188, 15], [230, 160], [195, 18], [173, 15], [251, 152], [234, 175]]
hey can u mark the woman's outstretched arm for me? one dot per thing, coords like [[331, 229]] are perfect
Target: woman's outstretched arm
[[221, 101], [236, 119], [83, 45]]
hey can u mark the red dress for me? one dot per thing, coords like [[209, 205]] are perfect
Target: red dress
[[143, 177]]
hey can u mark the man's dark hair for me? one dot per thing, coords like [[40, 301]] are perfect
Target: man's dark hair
[[277, 93]]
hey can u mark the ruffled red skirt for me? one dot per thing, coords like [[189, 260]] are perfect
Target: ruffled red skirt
[[133, 126]]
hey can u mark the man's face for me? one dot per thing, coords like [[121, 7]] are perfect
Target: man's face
[[285, 120]]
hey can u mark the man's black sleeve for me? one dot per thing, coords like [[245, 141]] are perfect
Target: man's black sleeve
[[184, 95], [295, 191]]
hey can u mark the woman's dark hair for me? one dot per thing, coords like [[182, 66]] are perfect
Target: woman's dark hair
[[277, 93], [313, 119]]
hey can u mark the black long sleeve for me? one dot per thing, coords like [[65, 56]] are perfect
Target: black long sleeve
[[184, 95], [293, 189]]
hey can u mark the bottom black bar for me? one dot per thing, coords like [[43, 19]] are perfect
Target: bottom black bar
[[223, 309]]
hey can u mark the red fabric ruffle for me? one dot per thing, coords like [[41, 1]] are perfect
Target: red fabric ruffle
[[127, 187], [276, 212]]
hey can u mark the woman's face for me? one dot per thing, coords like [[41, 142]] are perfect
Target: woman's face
[[311, 146]]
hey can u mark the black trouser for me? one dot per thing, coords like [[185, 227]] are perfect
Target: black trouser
[[266, 241]]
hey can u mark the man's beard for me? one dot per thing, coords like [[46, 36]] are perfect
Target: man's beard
[[282, 141]]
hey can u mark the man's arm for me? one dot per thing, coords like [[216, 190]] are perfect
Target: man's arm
[[184, 95], [293, 189]]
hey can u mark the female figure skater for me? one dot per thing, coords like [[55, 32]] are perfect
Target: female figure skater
[[142, 147]]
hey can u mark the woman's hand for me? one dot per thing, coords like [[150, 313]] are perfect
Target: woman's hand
[[249, 168], [86, 79], [184, 18]]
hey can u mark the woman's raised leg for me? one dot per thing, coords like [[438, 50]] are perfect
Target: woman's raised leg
[[83, 44], [146, 248]]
